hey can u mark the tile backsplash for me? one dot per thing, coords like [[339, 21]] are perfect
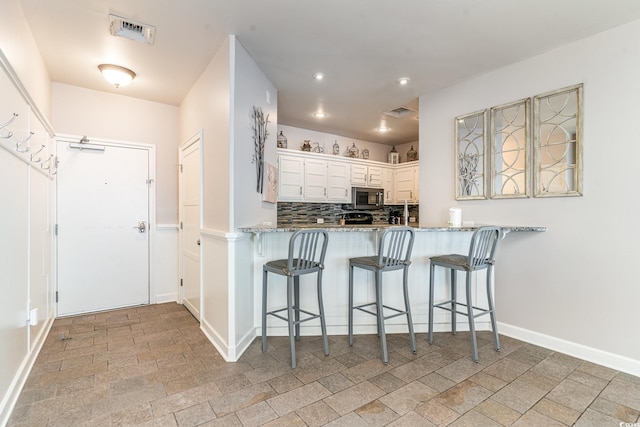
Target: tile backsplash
[[290, 213]]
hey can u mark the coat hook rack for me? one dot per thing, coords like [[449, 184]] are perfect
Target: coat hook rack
[[47, 162], [19, 143]]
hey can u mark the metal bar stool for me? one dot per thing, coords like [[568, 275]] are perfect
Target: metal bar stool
[[481, 257], [307, 249], [394, 253]]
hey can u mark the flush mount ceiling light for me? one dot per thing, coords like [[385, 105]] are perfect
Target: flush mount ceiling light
[[116, 75], [403, 81], [319, 76], [319, 115], [383, 129]]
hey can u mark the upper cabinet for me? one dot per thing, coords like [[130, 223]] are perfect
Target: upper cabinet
[[366, 176], [321, 178], [313, 179]]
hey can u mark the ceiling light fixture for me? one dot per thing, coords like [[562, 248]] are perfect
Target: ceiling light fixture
[[319, 115], [383, 129], [319, 76], [403, 81], [116, 75]]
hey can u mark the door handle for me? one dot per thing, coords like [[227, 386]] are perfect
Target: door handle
[[142, 227]]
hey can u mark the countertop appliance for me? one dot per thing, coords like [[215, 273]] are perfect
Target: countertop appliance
[[358, 218], [367, 198]]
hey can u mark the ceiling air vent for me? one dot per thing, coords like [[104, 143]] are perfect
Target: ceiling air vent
[[132, 30], [399, 112]]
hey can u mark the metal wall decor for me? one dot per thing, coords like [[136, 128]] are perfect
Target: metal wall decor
[[557, 135], [260, 134], [470, 148], [509, 150]]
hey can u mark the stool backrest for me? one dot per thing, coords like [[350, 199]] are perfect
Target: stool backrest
[[483, 247], [395, 247], [307, 249]]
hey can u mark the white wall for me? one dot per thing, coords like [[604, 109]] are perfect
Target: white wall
[[573, 286], [250, 87], [378, 152], [80, 111]]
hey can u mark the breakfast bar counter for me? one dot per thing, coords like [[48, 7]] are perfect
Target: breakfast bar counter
[[347, 241]]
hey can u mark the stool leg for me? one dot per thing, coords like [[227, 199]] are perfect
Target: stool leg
[[296, 304], [492, 311], [472, 328], [407, 308], [454, 299], [323, 325], [379, 307], [290, 316], [264, 310], [431, 274], [350, 304]]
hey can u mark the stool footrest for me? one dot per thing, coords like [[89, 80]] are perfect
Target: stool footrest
[[398, 311], [286, 319], [482, 311]]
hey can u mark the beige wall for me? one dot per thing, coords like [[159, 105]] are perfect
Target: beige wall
[[573, 285], [80, 111]]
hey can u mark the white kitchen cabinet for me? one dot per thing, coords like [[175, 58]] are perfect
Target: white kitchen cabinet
[[366, 176], [315, 180], [389, 185], [338, 184], [406, 183], [290, 178]]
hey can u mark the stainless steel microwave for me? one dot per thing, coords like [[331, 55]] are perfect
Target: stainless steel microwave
[[367, 198]]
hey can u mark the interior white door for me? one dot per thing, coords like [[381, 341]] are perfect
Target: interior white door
[[190, 221], [103, 228]]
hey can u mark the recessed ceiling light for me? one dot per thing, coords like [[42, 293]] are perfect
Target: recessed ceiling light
[[403, 81], [319, 115], [319, 76]]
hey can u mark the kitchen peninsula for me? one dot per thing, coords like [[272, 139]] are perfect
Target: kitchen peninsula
[[271, 243]]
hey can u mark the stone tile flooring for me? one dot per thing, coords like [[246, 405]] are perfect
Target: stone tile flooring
[[152, 366]]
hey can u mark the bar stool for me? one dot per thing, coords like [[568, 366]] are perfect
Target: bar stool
[[481, 257], [307, 249], [394, 253]]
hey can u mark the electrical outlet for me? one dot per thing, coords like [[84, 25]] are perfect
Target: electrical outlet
[[319, 220]]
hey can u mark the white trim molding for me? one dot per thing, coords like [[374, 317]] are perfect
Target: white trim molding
[[590, 354]]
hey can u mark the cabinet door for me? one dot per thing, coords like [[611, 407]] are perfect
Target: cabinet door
[[338, 182], [389, 186], [405, 185], [359, 175], [375, 177], [315, 180], [290, 178]]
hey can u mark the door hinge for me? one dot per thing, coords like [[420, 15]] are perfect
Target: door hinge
[[149, 181], [56, 296], [181, 284], [55, 230], [180, 225], [180, 166]]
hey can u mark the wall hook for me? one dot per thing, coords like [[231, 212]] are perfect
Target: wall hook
[[10, 120], [36, 152], [19, 143]]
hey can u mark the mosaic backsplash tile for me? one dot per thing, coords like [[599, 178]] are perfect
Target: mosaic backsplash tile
[[290, 213]]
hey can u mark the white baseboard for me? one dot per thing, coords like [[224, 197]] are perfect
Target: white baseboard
[[594, 355], [168, 297], [218, 342], [9, 401]]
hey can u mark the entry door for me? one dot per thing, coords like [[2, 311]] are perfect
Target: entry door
[[103, 228], [190, 222]]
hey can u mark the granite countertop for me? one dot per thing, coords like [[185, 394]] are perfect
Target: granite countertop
[[376, 227]]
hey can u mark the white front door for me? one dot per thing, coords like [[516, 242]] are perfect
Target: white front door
[[190, 224], [103, 227]]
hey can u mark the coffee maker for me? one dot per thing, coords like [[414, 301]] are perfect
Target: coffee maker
[[394, 217]]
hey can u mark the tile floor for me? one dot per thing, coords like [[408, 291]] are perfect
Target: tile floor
[[152, 366]]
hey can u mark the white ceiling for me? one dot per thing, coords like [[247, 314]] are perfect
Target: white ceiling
[[363, 46]]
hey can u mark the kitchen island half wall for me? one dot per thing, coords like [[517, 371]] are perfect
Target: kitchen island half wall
[[352, 241]]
